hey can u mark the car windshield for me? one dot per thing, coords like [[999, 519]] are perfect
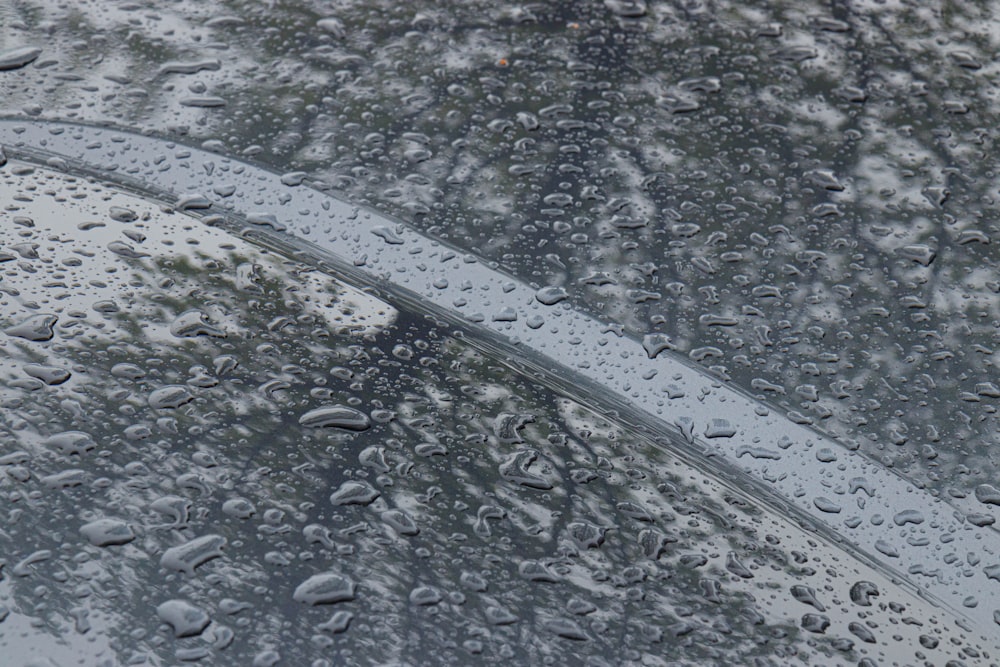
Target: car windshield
[[437, 333]]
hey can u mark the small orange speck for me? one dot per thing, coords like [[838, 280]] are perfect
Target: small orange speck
[[503, 62], [574, 25]]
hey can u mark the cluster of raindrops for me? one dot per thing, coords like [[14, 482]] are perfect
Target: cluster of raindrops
[[214, 452], [797, 197]]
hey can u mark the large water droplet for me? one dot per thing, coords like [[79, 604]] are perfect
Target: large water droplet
[[550, 296], [324, 589], [655, 343], [71, 442], [171, 396], [338, 416], [18, 58], [817, 623], [354, 493], [36, 328], [515, 469], [193, 323], [185, 619], [50, 375], [190, 555], [987, 493], [507, 427], [107, 532]]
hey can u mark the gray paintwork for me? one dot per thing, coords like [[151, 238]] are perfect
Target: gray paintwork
[[853, 496]]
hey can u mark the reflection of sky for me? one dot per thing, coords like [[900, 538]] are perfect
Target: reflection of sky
[[86, 272], [23, 645], [234, 441]]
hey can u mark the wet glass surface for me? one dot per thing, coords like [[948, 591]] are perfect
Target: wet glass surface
[[798, 198]]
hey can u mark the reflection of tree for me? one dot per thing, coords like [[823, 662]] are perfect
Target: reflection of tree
[[678, 154], [412, 110], [434, 452]]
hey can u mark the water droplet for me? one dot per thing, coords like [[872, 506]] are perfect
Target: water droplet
[[354, 493], [533, 570], [185, 619], [586, 535], [654, 543], [241, 508], [190, 555], [817, 623], [71, 442], [550, 296], [507, 427], [175, 507], [965, 59], [706, 352], [293, 178], [266, 658], [988, 494], [797, 54], [655, 343], [170, 396], [203, 101], [425, 596], [908, 516], [826, 455], [106, 307], [506, 314], [862, 632], [193, 323], [580, 607], [65, 479], [125, 250], [919, 253], [626, 8], [824, 179], [826, 505], [980, 520], [634, 511], [861, 484], [107, 532], [337, 416], [37, 328], [807, 595], [734, 565], [50, 375], [374, 457], [886, 548], [265, 219], [332, 25], [324, 589], [387, 235], [759, 453], [473, 582], [515, 469], [499, 616], [567, 629], [18, 58], [121, 214], [401, 522], [720, 428], [338, 623], [987, 389]]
